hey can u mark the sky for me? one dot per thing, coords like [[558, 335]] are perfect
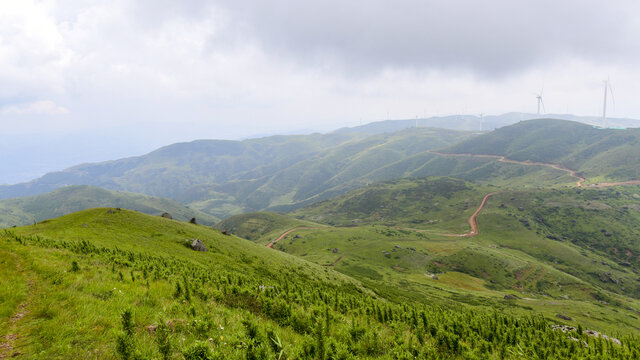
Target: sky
[[89, 80]]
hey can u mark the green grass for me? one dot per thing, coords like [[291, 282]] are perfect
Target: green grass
[[78, 274], [261, 227], [554, 266]]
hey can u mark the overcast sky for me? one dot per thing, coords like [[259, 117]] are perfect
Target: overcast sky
[[164, 71]]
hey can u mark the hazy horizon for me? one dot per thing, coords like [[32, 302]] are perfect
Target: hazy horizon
[[91, 81]]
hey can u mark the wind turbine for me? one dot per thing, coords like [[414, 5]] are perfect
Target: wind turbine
[[481, 120], [540, 102], [607, 87]]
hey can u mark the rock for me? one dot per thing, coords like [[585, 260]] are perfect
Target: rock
[[225, 232], [510, 297], [152, 328], [193, 221], [434, 277], [166, 215], [335, 250], [564, 317], [198, 245]]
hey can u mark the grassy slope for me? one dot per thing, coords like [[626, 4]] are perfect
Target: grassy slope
[[402, 203], [262, 225], [22, 211], [66, 282], [76, 314], [611, 154], [223, 178], [324, 175], [576, 277]]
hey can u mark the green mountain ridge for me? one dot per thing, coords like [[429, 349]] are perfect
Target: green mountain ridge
[[69, 199], [602, 153]]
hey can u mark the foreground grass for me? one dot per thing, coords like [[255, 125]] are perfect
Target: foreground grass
[[78, 276]]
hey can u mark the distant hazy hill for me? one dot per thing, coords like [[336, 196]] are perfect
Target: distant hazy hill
[[229, 177], [282, 173], [22, 211], [475, 123], [595, 152]]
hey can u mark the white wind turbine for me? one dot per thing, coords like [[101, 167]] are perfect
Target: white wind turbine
[[540, 102]]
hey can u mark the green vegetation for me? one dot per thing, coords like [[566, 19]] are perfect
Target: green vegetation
[[140, 293], [224, 178], [261, 226], [401, 203], [23, 211], [361, 269], [608, 153], [530, 246]]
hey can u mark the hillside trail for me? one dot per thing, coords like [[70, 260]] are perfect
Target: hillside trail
[[8, 341], [473, 219], [270, 245], [473, 222]]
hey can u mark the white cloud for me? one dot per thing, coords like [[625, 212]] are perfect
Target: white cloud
[[218, 69], [44, 107]]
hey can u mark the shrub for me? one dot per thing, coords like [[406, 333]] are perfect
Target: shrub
[[199, 350]]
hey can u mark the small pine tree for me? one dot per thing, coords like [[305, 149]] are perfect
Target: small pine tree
[[125, 346], [74, 266], [199, 350], [163, 340]]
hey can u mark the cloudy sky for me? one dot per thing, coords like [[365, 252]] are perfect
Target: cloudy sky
[[122, 77]]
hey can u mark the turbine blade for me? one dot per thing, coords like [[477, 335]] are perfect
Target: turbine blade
[[542, 102], [613, 100]]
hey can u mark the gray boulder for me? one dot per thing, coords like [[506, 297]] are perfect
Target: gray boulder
[[198, 245]]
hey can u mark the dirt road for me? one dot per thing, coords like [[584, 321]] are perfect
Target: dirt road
[[270, 245], [473, 222]]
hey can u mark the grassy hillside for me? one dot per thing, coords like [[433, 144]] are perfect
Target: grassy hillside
[[320, 177], [22, 211], [261, 225], [224, 178], [598, 153], [111, 284], [570, 252], [424, 203]]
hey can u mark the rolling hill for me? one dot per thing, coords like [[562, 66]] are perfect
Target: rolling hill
[[230, 177], [570, 252], [599, 153], [116, 284], [66, 200]]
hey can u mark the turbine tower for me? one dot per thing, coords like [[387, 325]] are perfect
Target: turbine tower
[[540, 102], [607, 87], [481, 120]]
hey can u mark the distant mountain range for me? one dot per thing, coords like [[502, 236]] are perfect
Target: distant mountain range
[[282, 173]]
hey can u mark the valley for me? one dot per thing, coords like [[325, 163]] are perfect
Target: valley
[[395, 245]]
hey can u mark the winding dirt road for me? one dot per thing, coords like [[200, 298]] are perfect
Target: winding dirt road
[[270, 245], [473, 220], [503, 159]]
